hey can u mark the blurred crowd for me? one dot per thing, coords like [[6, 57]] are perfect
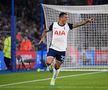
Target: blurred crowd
[[28, 20], [76, 2], [27, 23]]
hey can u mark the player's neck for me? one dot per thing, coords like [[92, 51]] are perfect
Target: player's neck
[[61, 23]]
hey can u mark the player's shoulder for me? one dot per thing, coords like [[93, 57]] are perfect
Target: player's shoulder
[[51, 26], [53, 23], [70, 25]]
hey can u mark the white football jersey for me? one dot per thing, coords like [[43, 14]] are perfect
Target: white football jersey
[[59, 36]]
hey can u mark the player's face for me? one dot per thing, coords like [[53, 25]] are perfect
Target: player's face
[[64, 18]]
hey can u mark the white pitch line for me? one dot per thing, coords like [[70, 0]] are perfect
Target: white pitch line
[[39, 80]]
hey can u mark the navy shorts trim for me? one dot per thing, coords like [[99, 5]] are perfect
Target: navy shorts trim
[[60, 56]]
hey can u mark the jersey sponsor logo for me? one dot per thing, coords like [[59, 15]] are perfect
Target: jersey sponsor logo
[[59, 32]]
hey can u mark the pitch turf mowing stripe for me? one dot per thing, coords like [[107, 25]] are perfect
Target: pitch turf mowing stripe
[[39, 80], [62, 87]]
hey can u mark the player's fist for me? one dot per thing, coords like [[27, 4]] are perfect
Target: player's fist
[[91, 19]]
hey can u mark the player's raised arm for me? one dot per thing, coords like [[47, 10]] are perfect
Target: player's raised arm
[[83, 22]]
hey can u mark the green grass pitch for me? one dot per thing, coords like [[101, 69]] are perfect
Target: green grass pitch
[[69, 80]]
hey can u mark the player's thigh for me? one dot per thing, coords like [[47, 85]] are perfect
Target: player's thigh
[[50, 56]]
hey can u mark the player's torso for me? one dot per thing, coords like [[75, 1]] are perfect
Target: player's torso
[[59, 37]]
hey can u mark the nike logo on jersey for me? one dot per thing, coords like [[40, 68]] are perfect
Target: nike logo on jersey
[[59, 32]]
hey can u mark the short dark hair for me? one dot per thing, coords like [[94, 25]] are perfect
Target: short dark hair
[[62, 14]]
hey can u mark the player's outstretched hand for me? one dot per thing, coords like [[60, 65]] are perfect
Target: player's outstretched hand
[[91, 19]]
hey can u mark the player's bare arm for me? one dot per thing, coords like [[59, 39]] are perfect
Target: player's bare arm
[[43, 36], [83, 22]]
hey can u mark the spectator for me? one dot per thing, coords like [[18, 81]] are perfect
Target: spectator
[[7, 51], [26, 44], [89, 2], [18, 36]]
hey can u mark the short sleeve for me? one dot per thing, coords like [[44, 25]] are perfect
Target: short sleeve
[[51, 27], [70, 26]]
